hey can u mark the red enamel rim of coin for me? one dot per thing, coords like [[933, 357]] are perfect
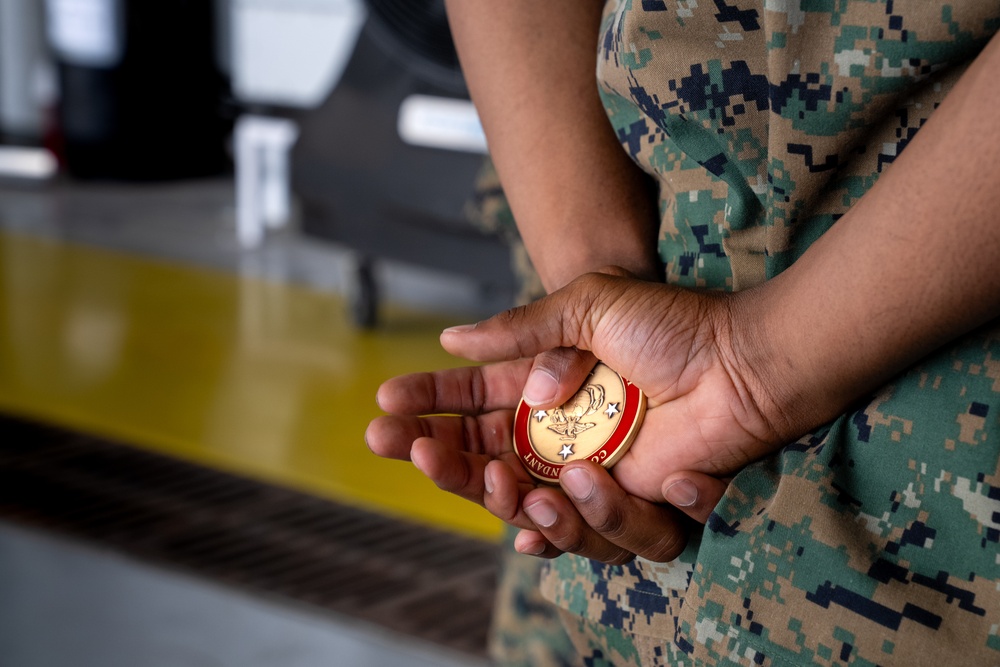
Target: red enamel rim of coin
[[606, 455]]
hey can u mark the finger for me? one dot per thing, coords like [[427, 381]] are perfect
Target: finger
[[557, 320], [533, 543], [556, 375], [462, 473], [466, 391], [562, 526], [391, 436], [694, 493], [451, 470], [652, 531], [595, 312], [505, 488]]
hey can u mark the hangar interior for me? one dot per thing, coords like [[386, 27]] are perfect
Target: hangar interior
[[192, 335]]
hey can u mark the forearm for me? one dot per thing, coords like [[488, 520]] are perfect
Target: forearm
[[913, 266], [579, 201]]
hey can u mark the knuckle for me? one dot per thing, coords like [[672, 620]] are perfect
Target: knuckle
[[512, 321], [477, 390], [572, 541], [501, 510], [621, 558], [589, 283], [609, 521], [510, 316], [553, 361], [560, 360], [595, 298], [472, 434], [666, 547]]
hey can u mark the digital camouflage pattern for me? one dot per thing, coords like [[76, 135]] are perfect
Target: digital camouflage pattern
[[876, 539], [527, 629]]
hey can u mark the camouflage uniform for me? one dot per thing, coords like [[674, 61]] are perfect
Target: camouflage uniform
[[874, 539]]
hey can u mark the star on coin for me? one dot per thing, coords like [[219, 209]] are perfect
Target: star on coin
[[541, 414], [566, 451], [612, 410]]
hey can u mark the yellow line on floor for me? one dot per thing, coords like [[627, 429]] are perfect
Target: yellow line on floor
[[260, 378]]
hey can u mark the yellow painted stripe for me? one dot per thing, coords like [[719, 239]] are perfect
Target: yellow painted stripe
[[255, 377]]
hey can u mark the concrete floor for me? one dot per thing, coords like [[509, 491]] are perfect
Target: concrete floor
[[67, 603]]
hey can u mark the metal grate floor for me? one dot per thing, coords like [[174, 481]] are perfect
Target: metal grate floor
[[429, 584]]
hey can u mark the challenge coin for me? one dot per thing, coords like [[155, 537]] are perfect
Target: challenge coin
[[598, 423]]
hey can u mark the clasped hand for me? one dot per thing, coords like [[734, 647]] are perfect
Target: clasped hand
[[708, 414]]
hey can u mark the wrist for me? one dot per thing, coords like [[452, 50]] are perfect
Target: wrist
[[559, 263], [565, 274], [783, 399]]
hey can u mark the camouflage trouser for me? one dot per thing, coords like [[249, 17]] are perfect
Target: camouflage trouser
[[527, 629]]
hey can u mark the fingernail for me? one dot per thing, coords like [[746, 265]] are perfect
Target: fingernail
[[461, 328], [542, 514], [578, 482], [488, 481], [531, 549], [540, 388], [682, 493]]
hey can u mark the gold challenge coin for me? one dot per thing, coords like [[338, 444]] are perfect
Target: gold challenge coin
[[598, 423]]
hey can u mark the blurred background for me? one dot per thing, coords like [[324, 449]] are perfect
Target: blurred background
[[223, 223]]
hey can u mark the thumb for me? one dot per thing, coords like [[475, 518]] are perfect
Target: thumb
[[556, 375], [694, 493], [577, 316]]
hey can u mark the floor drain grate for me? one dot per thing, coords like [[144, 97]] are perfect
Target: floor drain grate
[[429, 584]]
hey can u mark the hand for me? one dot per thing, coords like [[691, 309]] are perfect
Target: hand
[[708, 411], [471, 455], [594, 517]]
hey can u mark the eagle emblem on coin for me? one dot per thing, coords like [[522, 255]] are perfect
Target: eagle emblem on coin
[[599, 422]]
